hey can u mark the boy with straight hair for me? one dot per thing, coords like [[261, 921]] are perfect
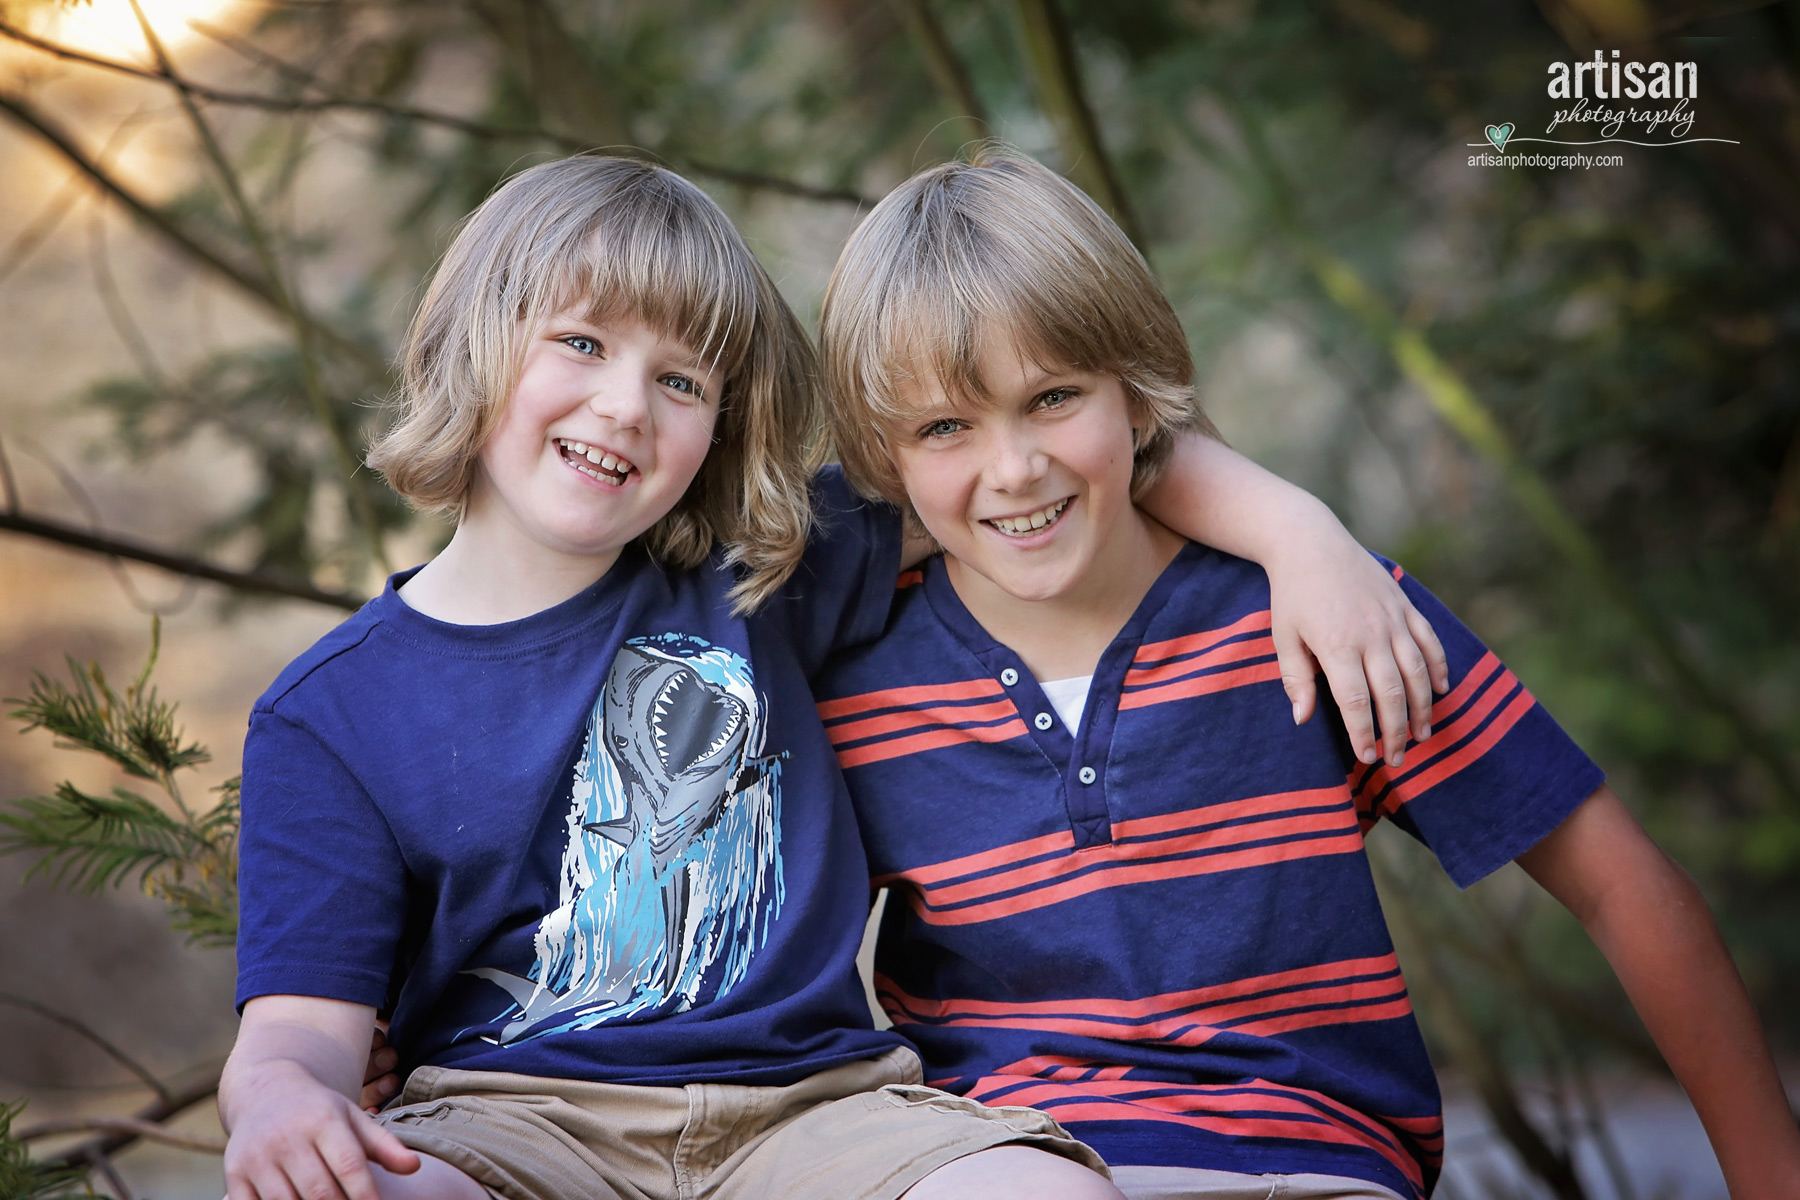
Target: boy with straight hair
[[1124, 887]]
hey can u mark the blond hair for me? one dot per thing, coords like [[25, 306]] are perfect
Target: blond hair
[[997, 246], [627, 240]]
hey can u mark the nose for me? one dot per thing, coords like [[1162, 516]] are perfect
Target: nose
[[622, 394], [1015, 461]]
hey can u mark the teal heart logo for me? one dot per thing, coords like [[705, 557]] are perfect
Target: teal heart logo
[[1498, 134]]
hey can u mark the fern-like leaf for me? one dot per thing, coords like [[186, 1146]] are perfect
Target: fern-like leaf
[[23, 1179], [89, 842], [135, 729], [185, 859]]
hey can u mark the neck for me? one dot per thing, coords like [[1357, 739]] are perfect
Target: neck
[[1064, 636], [484, 580]]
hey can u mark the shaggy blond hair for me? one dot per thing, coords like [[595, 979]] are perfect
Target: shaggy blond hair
[[999, 246], [625, 239]]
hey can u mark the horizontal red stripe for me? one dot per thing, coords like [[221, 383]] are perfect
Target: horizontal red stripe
[[1198, 1027], [1207, 814], [1349, 968], [918, 742], [908, 579], [930, 693], [1151, 652], [1344, 1004], [1217, 1111], [1398, 1006], [913, 718], [1202, 685], [1250, 647], [1199, 842], [1128, 873], [1233, 810], [1059, 1066]]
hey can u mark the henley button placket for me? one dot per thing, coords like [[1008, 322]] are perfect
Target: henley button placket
[[1009, 677], [1087, 775], [1042, 721]]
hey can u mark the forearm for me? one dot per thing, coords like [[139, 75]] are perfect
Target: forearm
[[1654, 927], [293, 1040], [1212, 494], [1687, 991]]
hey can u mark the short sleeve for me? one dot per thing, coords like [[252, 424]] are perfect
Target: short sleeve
[[1497, 773], [840, 594], [321, 883]]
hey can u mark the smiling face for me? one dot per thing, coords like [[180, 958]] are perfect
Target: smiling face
[[1028, 491], [603, 433]]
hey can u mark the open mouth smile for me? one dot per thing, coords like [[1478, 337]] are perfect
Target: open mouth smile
[[1030, 523], [594, 462]]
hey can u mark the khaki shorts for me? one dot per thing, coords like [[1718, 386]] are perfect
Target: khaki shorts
[[1193, 1183], [867, 1129]]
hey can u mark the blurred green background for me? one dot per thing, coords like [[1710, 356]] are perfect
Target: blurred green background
[[1568, 400]]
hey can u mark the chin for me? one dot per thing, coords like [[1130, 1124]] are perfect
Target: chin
[[1030, 589]]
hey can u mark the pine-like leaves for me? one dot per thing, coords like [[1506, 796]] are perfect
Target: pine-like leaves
[[23, 1179], [187, 860]]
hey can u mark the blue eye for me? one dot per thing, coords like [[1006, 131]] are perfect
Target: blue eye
[[1056, 398], [682, 383], [942, 428], [580, 344]]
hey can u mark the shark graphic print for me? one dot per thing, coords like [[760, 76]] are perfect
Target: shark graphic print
[[671, 872]]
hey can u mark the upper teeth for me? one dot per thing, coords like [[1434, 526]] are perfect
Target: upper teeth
[[603, 459], [1030, 521]]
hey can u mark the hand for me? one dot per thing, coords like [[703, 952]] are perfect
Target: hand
[[380, 1082], [294, 1137], [1334, 607]]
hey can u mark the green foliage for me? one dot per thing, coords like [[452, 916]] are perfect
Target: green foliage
[[23, 1179], [187, 860], [253, 401]]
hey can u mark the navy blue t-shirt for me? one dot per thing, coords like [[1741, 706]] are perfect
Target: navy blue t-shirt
[[1161, 927], [608, 841]]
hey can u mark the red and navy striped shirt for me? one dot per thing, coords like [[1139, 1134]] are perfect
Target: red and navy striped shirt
[[1162, 927]]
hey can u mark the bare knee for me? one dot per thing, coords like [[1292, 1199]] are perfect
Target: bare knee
[[434, 1180], [1013, 1173]]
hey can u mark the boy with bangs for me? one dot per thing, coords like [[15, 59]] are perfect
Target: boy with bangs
[[559, 801], [1124, 887]]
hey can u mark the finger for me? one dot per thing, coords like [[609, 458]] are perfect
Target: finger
[[378, 1091], [239, 1186], [1297, 668], [348, 1164], [1417, 678], [381, 1062], [380, 1146], [1426, 638], [309, 1177], [1349, 687], [1389, 692]]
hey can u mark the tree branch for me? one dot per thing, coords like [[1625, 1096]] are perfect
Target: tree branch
[[263, 582], [946, 65], [117, 1138], [148, 1131], [113, 1052], [286, 295], [244, 279], [1051, 56], [335, 102]]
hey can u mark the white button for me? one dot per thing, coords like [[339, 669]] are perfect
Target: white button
[[1042, 721], [1086, 775], [1009, 677]]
